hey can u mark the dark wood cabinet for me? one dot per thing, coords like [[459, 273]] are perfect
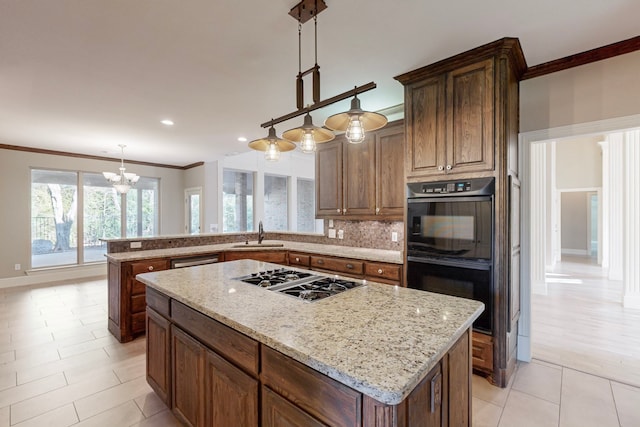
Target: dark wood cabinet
[[362, 181], [450, 122], [279, 412], [278, 257], [231, 396], [390, 193], [127, 296], [381, 272], [461, 117], [187, 378], [159, 355]]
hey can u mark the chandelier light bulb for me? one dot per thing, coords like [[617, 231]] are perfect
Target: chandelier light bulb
[[308, 143], [273, 152], [355, 132]]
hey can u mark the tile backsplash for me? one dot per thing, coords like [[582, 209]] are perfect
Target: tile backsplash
[[361, 234]]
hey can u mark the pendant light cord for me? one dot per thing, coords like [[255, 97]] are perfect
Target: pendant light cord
[[299, 47]]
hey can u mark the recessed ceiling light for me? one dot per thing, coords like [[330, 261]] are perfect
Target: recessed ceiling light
[[167, 122], [242, 139]]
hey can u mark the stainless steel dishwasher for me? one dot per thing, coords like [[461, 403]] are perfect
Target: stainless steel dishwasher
[[194, 260]]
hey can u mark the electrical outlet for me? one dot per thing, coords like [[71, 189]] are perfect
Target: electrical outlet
[[332, 233], [340, 234], [394, 236], [135, 245], [17, 267], [330, 223]]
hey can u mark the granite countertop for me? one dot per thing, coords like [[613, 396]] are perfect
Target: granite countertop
[[380, 255], [379, 339]]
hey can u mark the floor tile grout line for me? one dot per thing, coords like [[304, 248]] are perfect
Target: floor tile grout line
[[615, 404]]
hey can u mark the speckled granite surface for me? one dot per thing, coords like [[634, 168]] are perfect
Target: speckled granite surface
[[378, 339], [380, 255]]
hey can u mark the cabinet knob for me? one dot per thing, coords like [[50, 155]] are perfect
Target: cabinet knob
[[297, 259], [344, 210], [448, 167], [377, 210], [151, 268], [350, 266], [338, 210], [440, 168], [379, 271], [320, 261]]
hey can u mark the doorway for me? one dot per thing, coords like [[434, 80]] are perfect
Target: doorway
[[193, 210]]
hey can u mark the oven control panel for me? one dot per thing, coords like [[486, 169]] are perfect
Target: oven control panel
[[468, 187], [446, 187]]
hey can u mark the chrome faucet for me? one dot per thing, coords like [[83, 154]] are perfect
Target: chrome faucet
[[260, 233]]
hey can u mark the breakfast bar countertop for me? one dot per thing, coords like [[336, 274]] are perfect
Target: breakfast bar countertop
[[378, 339]]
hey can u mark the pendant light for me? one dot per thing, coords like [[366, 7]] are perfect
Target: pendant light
[[355, 122], [123, 181], [308, 135], [272, 145]]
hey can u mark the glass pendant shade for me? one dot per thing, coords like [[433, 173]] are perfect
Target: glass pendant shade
[[355, 122], [273, 152], [308, 135], [272, 145], [355, 133]]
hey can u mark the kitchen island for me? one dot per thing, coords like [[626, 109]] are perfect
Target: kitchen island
[[220, 350]]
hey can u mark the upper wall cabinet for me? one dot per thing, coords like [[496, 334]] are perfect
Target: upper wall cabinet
[[450, 122], [362, 181]]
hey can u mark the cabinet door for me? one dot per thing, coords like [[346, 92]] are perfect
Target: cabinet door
[[279, 412], [329, 179], [159, 348], [358, 174], [231, 395], [187, 377], [425, 401], [390, 193], [470, 117], [425, 127]]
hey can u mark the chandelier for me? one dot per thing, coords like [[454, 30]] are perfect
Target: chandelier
[[354, 122], [123, 181]]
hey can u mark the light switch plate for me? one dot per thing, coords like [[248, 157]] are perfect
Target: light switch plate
[[340, 234], [135, 245], [332, 233], [330, 223], [394, 236]]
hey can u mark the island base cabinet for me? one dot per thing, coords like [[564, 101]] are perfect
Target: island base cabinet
[[188, 362], [159, 355], [279, 412]]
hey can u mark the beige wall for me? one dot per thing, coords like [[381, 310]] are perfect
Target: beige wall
[[579, 163], [15, 184], [601, 90], [574, 222]]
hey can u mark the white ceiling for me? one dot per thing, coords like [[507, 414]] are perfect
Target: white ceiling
[[86, 75]]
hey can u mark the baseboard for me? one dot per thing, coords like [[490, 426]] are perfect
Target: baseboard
[[582, 252], [59, 274]]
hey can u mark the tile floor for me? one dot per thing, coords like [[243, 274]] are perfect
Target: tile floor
[[59, 366]]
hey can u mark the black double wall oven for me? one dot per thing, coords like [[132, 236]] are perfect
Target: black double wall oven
[[450, 240]]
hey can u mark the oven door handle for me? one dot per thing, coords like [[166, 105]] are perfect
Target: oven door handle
[[474, 265]]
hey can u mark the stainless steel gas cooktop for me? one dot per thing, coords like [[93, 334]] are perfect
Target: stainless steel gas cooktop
[[299, 284]]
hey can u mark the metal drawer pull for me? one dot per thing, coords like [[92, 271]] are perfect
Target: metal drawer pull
[[440, 167], [320, 261], [379, 271], [151, 268], [448, 167], [297, 259], [350, 266], [338, 210]]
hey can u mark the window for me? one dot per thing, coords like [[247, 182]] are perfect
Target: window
[[54, 233], [237, 201], [102, 215], [142, 208], [56, 204], [306, 195], [276, 195]]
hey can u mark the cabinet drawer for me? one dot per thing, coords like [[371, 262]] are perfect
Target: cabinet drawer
[[482, 351], [138, 303], [339, 265], [138, 322], [158, 301], [137, 287], [277, 257], [299, 260], [233, 345], [327, 400], [383, 271]]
